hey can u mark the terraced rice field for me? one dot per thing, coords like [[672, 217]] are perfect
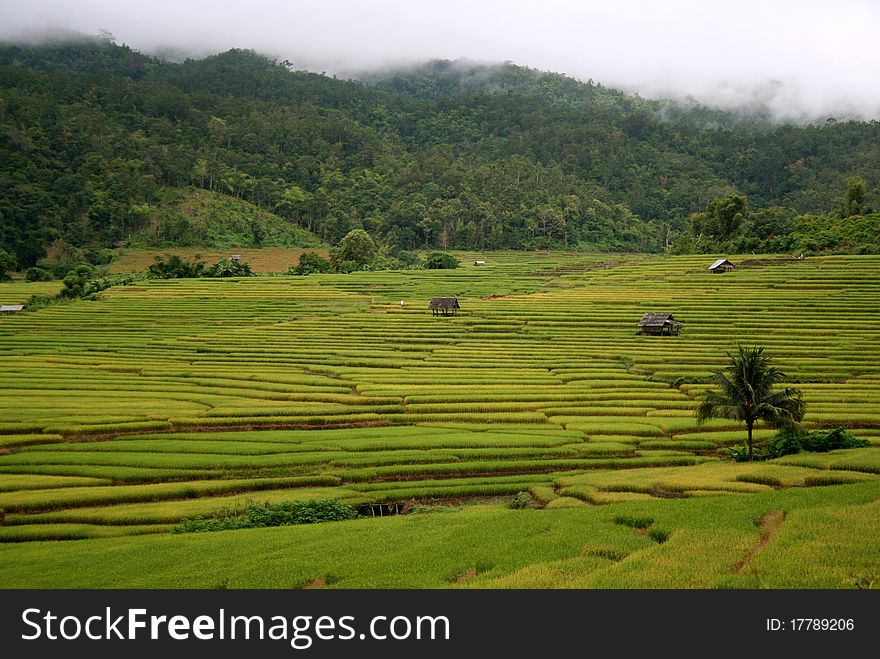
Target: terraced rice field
[[167, 400]]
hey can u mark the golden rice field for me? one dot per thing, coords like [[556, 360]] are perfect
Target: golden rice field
[[173, 399], [265, 259]]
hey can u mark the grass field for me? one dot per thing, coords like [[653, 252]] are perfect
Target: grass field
[[266, 259], [167, 400]]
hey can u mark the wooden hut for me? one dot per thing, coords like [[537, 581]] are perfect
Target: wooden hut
[[444, 306], [11, 308], [659, 324], [721, 265]]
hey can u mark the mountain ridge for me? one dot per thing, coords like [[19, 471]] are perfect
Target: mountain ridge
[[501, 157]]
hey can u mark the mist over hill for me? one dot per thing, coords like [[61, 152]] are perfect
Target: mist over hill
[[99, 143]]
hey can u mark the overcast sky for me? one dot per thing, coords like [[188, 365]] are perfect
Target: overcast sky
[[798, 56]]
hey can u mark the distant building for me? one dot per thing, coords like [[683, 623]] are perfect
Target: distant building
[[11, 308], [479, 263], [721, 265], [444, 306], [236, 257], [659, 324]]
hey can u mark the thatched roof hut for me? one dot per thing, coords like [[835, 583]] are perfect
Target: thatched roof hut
[[659, 323], [721, 265], [444, 306]]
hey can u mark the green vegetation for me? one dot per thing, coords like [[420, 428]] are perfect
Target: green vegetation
[[284, 513], [175, 267], [789, 442], [204, 218], [37, 274], [747, 394], [709, 543], [522, 500], [441, 261], [562, 448], [7, 264], [191, 399], [354, 251], [104, 148], [311, 263]]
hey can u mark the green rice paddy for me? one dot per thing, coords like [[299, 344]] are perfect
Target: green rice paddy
[[172, 399]]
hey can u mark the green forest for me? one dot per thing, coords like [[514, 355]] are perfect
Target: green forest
[[104, 147]]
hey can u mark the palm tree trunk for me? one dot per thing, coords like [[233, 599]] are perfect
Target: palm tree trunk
[[749, 427]]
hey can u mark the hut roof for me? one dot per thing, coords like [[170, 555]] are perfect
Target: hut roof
[[719, 263], [444, 303], [11, 307], [658, 320]]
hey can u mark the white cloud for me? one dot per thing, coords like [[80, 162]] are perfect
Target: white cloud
[[821, 54]]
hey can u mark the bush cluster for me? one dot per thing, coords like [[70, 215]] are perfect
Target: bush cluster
[[38, 274], [285, 513], [441, 261], [522, 500], [81, 283], [314, 263], [357, 252], [311, 263], [175, 267], [788, 442]]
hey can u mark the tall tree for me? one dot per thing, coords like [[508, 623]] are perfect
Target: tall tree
[[357, 247], [722, 219], [747, 394], [853, 203], [7, 263]]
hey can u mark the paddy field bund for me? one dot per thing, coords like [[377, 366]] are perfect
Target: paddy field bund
[[177, 398]]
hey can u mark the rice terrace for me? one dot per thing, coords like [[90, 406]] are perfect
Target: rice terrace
[[535, 439]]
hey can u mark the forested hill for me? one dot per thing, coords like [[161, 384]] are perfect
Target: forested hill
[[444, 79], [101, 146]]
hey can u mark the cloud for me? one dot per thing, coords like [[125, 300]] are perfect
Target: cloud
[[800, 57]]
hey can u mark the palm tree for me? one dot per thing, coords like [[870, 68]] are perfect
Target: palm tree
[[747, 394]]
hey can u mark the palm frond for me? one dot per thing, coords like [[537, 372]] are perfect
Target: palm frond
[[746, 392]]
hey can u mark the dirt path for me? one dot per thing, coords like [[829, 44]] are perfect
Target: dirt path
[[769, 525]]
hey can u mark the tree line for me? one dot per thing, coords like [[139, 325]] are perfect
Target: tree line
[[93, 135]]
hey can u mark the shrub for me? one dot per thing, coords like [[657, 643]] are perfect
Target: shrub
[[441, 261], [229, 268], [175, 267], [38, 302], [356, 247], [285, 513], [347, 267], [408, 260], [80, 284], [740, 453], [522, 500], [297, 512], [38, 274], [817, 441], [789, 442], [7, 263], [77, 282], [310, 263]]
